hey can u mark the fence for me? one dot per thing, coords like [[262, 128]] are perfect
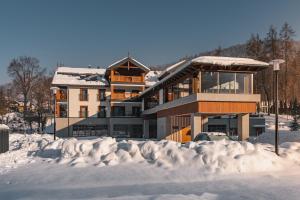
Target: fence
[[4, 140]]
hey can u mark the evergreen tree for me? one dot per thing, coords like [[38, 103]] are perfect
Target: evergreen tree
[[294, 125]]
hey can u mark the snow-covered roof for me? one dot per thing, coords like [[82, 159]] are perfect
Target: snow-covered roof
[[152, 77], [215, 61], [123, 60], [170, 68], [79, 76], [228, 61], [76, 70]]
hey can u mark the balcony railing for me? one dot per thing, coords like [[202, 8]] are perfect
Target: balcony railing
[[125, 114], [123, 95], [83, 114], [60, 96], [128, 79], [83, 97]]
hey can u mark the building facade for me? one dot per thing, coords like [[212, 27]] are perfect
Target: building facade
[[100, 102], [127, 99]]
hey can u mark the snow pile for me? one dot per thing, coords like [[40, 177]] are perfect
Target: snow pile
[[207, 157], [269, 137], [22, 148], [3, 127], [16, 122]]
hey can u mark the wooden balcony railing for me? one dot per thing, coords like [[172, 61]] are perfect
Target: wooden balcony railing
[[123, 95], [127, 79], [61, 96]]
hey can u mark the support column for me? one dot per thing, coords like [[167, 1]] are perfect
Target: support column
[[162, 127], [196, 124], [161, 96], [146, 128], [243, 126]]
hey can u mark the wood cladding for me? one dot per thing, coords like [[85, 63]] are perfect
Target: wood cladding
[[180, 128], [227, 107], [210, 107], [179, 110]]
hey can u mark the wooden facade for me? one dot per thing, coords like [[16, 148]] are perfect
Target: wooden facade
[[210, 107]]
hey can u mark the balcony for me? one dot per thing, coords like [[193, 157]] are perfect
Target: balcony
[[125, 114], [123, 96], [61, 96], [83, 97], [127, 79]]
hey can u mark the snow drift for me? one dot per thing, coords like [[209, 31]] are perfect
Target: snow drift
[[205, 157]]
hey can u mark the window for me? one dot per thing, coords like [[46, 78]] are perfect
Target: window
[[63, 110], [118, 111], [90, 130], [209, 82], [83, 113], [127, 130], [83, 95], [243, 83], [119, 90], [221, 82], [226, 82], [101, 112], [101, 95], [136, 111]]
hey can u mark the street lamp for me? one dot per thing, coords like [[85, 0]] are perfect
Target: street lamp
[[276, 67], [54, 91]]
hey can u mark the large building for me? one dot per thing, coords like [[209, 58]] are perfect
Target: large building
[[127, 99]]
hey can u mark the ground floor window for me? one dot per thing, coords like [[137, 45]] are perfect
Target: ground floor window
[[90, 130], [217, 128], [128, 130]]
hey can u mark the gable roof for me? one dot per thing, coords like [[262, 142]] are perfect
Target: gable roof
[[125, 60]]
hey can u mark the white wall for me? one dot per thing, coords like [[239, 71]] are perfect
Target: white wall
[[92, 103]]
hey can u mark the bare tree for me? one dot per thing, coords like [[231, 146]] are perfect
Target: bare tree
[[41, 96], [25, 72], [286, 38], [3, 103]]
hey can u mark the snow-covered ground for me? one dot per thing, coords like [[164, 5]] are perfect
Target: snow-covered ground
[[36, 167]]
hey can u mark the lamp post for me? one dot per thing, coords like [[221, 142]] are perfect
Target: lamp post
[[54, 91], [276, 68]]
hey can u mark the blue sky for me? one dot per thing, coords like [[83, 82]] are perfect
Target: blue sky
[[81, 33]]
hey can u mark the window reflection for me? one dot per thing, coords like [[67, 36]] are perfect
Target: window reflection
[[224, 83]]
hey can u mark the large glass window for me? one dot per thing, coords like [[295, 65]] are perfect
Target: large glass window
[[118, 111], [209, 82], [224, 82], [243, 83]]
